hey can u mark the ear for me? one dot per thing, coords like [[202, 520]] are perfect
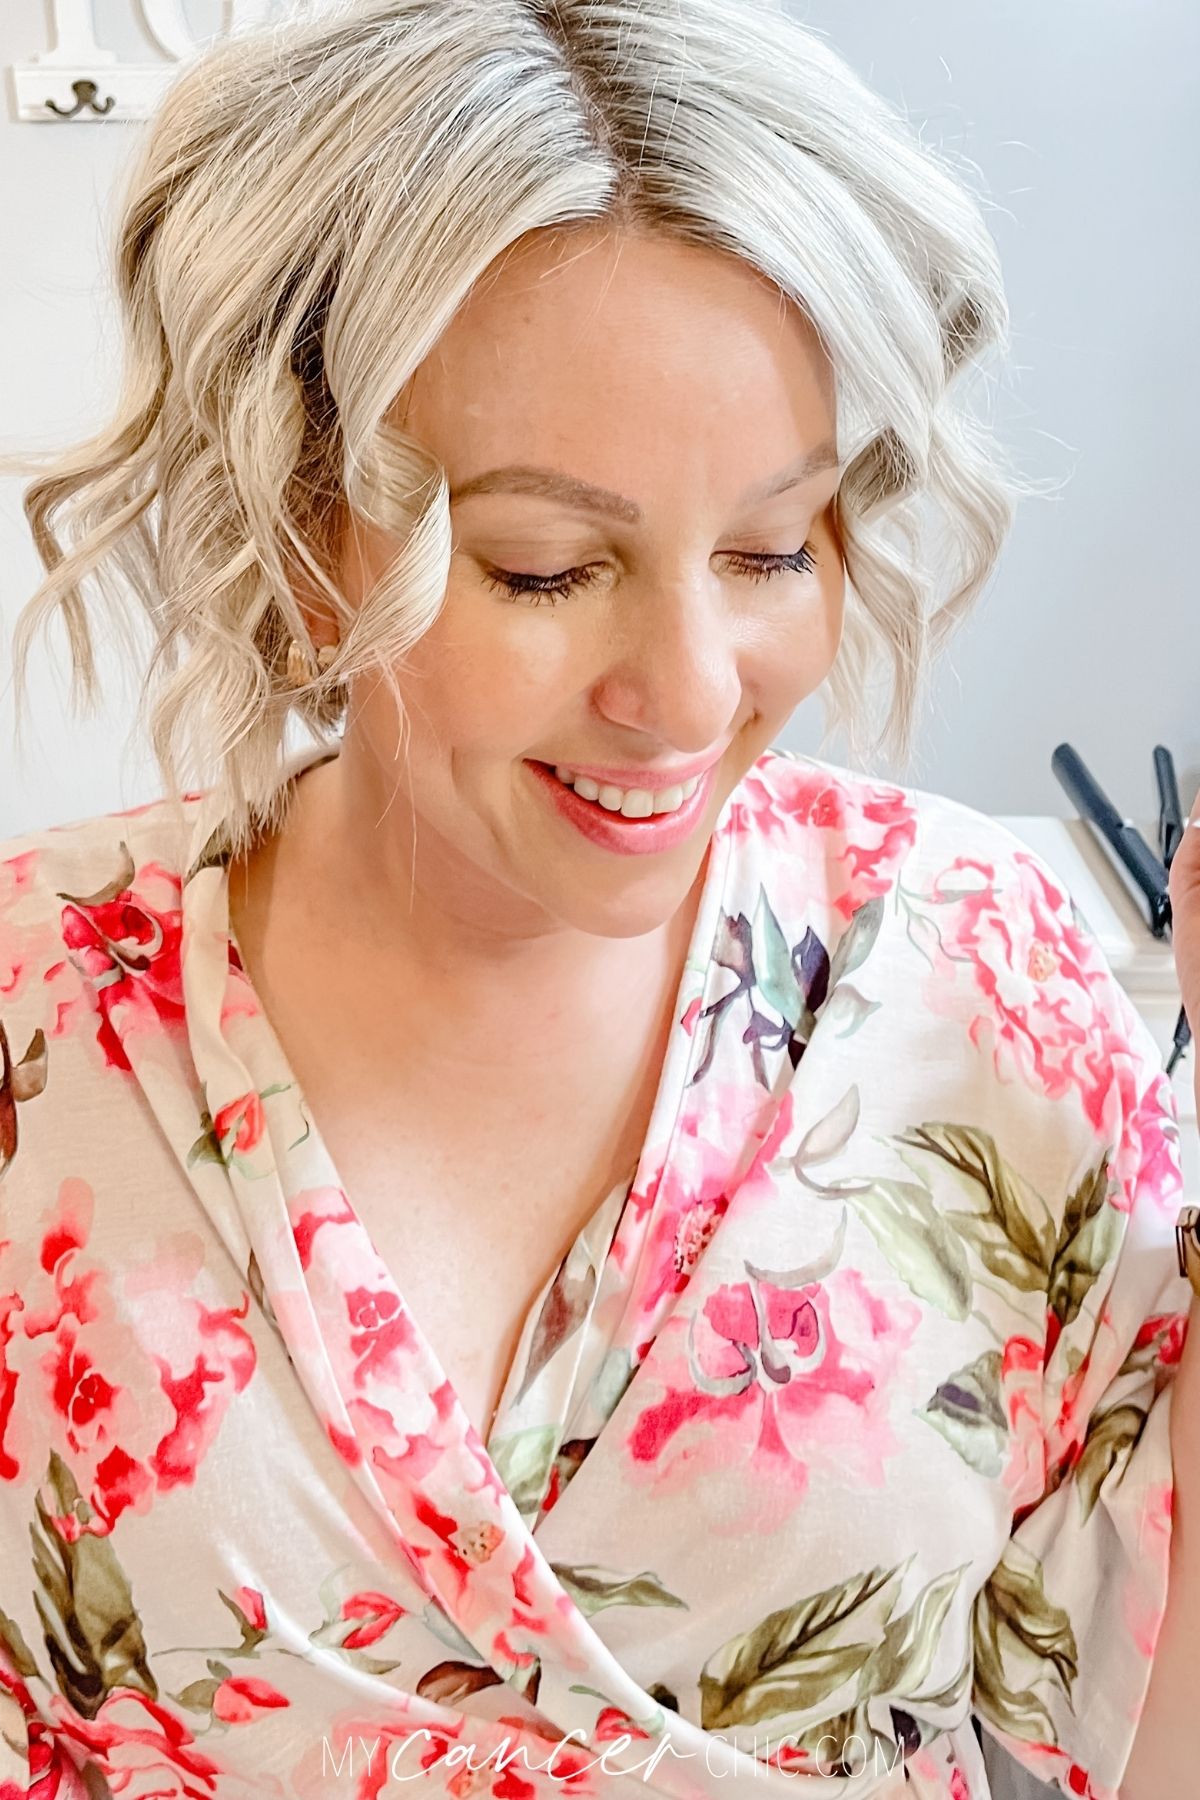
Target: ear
[[320, 620]]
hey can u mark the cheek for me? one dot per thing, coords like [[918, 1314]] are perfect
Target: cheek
[[488, 675], [796, 652]]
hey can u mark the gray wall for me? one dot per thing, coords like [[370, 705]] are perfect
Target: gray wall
[[1084, 120]]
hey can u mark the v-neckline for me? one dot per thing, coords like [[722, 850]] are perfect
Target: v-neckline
[[675, 1076]]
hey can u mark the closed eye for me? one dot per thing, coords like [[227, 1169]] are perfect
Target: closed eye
[[543, 590]]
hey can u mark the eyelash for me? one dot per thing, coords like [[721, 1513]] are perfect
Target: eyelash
[[548, 590]]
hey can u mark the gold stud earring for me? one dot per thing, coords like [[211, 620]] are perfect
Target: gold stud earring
[[303, 667]]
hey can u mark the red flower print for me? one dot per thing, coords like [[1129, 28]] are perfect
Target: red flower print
[[140, 1746], [378, 1613], [131, 1410], [1168, 1331], [693, 1234], [1048, 1010], [242, 1120], [478, 1542], [868, 828], [82, 1397], [126, 946], [381, 1330], [242, 1697], [778, 1378], [249, 1603], [612, 1723]]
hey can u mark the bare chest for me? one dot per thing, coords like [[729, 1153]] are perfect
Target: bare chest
[[469, 1229]]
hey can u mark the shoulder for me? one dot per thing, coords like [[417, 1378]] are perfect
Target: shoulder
[[973, 942], [66, 858], [84, 908], [875, 837]]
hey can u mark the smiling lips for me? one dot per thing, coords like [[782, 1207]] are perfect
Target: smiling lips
[[630, 821], [631, 803]]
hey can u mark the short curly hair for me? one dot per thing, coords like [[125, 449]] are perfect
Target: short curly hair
[[312, 203]]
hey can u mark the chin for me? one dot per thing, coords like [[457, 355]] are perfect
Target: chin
[[633, 908]]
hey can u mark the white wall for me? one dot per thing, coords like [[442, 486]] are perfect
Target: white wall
[[1085, 121]]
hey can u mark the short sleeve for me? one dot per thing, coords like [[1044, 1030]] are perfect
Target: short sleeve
[[1065, 1628]]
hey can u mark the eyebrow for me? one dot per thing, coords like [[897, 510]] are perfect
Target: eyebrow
[[584, 496]]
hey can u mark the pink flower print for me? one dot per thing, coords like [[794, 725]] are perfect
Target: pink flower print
[[1168, 1331], [869, 828], [693, 1234], [141, 1747], [1043, 962], [241, 1121], [478, 1542], [132, 1412], [242, 1697], [378, 1613], [783, 1379], [126, 946], [249, 1603], [381, 1331], [1021, 1371]]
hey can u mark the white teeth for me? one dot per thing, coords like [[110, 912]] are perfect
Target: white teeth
[[639, 804], [631, 803]]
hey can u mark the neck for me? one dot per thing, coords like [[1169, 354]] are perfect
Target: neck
[[431, 927]]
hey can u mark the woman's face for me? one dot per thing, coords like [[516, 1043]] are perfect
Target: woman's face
[[646, 579]]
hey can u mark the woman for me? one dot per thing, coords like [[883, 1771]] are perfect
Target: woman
[[625, 1256]]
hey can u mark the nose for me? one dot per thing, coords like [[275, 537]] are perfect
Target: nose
[[674, 674]]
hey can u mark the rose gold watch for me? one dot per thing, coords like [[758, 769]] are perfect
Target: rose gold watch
[[1187, 1244]]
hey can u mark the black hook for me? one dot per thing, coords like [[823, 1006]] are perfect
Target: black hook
[[85, 97]]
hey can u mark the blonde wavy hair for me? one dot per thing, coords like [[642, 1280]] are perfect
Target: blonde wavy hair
[[312, 203]]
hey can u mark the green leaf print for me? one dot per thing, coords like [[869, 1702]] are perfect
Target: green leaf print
[[564, 1309], [830, 1135], [857, 941], [449, 1682], [523, 1463], [807, 1273], [16, 1649], [217, 851], [198, 1696], [795, 1658], [252, 1635], [206, 1147], [612, 1378], [968, 1409], [922, 1247], [775, 976], [1089, 1239], [91, 1627], [1111, 1436], [19, 1082], [1014, 1236], [845, 1744], [847, 1011], [925, 1251], [1023, 1642], [112, 890], [593, 1588], [904, 1658]]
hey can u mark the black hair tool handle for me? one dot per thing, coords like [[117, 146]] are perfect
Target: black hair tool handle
[[1123, 840], [1170, 812]]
